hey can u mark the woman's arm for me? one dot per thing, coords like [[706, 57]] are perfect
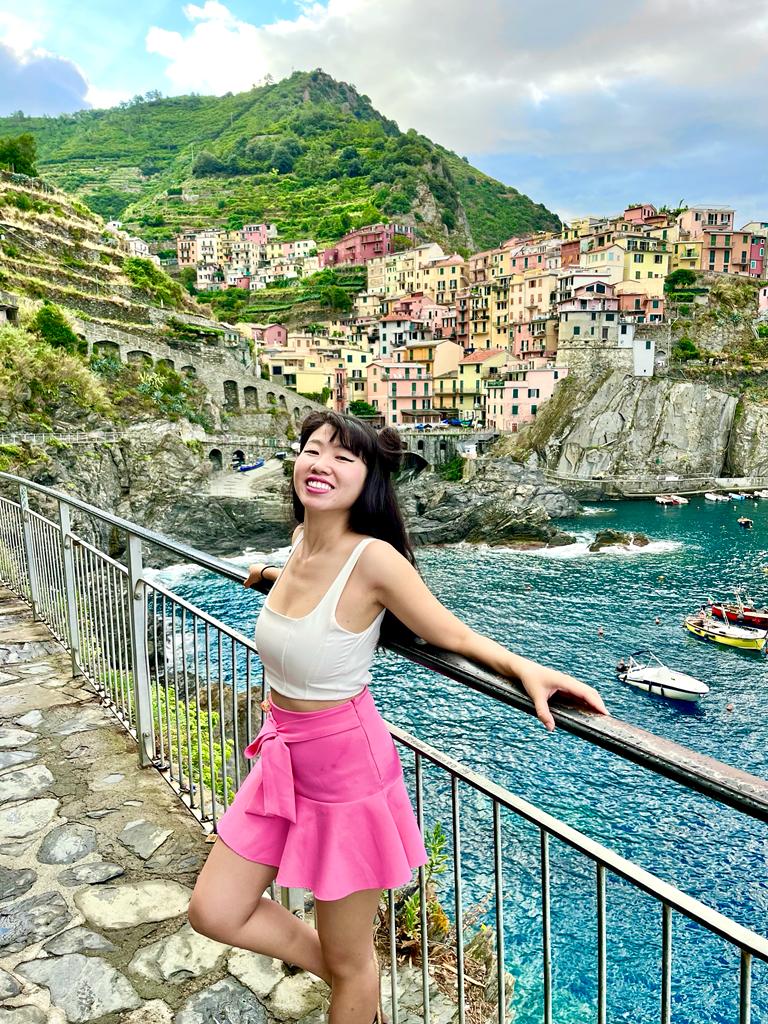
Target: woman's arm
[[398, 586], [255, 578]]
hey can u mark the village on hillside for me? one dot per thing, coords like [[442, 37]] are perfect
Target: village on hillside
[[482, 340]]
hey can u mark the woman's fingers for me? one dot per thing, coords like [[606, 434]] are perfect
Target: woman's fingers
[[253, 575]]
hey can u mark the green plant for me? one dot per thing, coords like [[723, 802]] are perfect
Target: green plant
[[360, 408], [685, 349], [452, 470], [143, 274], [50, 324], [19, 153]]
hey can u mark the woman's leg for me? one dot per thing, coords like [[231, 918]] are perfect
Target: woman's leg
[[227, 905], [345, 928]]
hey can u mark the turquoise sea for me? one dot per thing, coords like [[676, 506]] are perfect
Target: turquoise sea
[[549, 605]]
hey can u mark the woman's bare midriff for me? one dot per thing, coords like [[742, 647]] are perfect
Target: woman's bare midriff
[[292, 704]]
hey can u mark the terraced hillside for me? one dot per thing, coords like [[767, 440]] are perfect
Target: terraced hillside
[[308, 153]]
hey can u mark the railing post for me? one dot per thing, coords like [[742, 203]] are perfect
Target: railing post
[[142, 694], [70, 591], [29, 552]]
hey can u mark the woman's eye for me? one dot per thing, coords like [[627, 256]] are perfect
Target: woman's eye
[[344, 458]]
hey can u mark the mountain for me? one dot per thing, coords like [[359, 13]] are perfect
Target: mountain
[[308, 152]]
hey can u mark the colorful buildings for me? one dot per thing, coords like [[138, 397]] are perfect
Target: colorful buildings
[[364, 244]]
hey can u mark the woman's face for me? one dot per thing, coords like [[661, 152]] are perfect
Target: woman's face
[[326, 475]]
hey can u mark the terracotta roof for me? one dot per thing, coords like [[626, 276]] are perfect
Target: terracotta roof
[[482, 354]]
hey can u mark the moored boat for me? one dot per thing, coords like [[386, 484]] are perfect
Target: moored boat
[[664, 499], [740, 612], [736, 497], [678, 499], [709, 628], [761, 494], [645, 671], [712, 496]]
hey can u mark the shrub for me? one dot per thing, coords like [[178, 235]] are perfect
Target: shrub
[[452, 470], [684, 350], [151, 279], [50, 324]]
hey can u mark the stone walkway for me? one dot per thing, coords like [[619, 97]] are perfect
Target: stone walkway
[[97, 862]]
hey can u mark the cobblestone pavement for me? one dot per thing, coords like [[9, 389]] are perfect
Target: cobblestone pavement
[[97, 862]]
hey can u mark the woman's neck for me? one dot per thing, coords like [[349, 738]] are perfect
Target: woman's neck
[[323, 532]]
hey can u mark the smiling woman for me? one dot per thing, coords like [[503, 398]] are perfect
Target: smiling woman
[[325, 806]]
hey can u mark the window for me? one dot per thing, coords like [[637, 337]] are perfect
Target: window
[[349, 357], [413, 404], [605, 334], [515, 410], [394, 403], [576, 330], [514, 392], [533, 409], [533, 392], [413, 388], [610, 316], [637, 275], [658, 259], [638, 257], [713, 239], [647, 346]]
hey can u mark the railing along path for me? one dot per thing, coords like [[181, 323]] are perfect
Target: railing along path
[[187, 687]]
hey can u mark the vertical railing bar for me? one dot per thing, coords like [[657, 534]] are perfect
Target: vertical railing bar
[[602, 963], [94, 588], [745, 988], [393, 986], [546, 935], [176, 700], [235, 730], [196, 657], [32, 571], [422, 892], [77, 576], [104, 643], [38, 554], [160, 740], [109, 585], [188, 729], [87, 618], [209, 701], [61, 584], [222, 723], [458, 892], [248, 697], [130, 668], [666, 963], [142, 691], [499, 885], [123, 684], [166, 684]]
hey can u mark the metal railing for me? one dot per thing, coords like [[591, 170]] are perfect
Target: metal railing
[[186, 686]]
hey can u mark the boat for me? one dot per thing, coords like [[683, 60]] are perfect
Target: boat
[[761, 494], [746, 522], [741, 612], [664, 499], [712, 496], [709, 628], [646, 672], [736, 497], [678, 499], [253, 465]]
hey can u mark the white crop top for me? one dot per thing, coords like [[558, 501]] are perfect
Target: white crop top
[[313, 657]]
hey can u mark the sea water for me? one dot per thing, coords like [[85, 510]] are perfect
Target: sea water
[[581, 612]]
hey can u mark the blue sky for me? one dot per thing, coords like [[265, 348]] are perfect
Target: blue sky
[[583, 104]]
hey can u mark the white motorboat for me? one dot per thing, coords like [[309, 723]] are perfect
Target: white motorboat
[[761, 494], [664, 499], [646, 672], [678, 499], [711, 496]]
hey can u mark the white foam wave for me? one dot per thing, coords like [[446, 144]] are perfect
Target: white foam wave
[[597, 510], [181, 571], [581, 550]]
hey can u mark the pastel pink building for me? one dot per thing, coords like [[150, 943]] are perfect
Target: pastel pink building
[[762, 301], [364, 244], [401, 392], [757, 261], [641, 307], [259, 233], [640, 214], [515, 397], [270, 334]]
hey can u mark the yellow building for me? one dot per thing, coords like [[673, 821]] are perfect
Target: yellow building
[[474, 370], [442, 279], [445, 396]]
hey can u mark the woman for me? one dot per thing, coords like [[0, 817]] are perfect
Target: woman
[[325, 805]]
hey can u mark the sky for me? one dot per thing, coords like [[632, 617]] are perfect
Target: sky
[[585, 105]]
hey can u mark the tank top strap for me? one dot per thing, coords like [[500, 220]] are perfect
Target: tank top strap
[[335, 590]]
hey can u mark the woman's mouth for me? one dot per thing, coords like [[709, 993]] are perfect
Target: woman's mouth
[[317, 486]]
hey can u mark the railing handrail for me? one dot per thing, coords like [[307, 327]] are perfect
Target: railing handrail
[[722, 782]]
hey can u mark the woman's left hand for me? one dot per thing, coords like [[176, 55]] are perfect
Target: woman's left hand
[[541, 683]]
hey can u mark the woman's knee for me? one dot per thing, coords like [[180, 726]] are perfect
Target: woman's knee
[[209, 917], [347, 963]]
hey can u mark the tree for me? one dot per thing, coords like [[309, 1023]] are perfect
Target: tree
[[18, 153], [50, 324], [681, 276], [360, 408]]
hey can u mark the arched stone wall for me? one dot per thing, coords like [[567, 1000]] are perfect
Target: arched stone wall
[[250, 397], [138, 357], [231, 395], [215, 459], [106, 349]]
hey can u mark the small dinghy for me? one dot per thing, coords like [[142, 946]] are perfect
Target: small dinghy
[[712, 496], [646, 672], [736, 497]]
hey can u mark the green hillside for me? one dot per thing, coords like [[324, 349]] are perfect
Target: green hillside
[[309, 153]]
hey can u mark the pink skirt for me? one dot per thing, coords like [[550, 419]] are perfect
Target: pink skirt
[[325, 802]]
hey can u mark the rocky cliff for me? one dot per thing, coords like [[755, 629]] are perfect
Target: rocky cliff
[[624, 426]]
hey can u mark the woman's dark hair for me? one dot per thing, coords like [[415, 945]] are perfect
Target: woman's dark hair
[[376, 511]]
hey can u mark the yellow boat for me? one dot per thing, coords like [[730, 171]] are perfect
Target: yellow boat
[[709, 628]]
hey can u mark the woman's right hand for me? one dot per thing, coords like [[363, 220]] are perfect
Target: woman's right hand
[[254, 574]]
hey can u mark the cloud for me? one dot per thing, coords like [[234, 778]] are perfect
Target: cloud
[[40, 83], [31, 79], [612, 92]]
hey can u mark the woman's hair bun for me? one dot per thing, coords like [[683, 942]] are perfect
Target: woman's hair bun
[[391, 449]]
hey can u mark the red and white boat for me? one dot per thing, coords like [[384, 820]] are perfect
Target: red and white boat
[[741, 612]]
